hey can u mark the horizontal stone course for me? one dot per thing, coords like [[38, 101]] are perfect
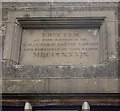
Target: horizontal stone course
[[108, 69], [60, 85]]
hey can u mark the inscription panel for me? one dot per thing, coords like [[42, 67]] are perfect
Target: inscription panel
[[60, 47]]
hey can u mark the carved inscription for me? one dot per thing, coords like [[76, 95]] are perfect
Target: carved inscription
[[60, 46]]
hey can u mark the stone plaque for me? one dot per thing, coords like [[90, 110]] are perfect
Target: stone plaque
[[60, 47]]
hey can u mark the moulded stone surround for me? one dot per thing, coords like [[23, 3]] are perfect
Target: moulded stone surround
[[13, 29]]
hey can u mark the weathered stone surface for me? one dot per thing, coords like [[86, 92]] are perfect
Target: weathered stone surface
[[101, 78], [108, 69], [61, 85]]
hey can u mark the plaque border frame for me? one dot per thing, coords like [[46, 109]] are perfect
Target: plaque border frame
[[13, 56]]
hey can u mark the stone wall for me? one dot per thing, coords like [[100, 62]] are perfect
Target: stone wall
[[98, 78]]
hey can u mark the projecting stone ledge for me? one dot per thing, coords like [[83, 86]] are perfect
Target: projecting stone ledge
[[58, 99], [108, 69]]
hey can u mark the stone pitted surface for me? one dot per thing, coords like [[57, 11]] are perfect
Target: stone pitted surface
[[93, 6], [60, 85], [108, 69]]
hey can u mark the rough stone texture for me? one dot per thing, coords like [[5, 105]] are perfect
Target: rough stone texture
[[61, 85], [102, 78], [108, 69], [119, 42]]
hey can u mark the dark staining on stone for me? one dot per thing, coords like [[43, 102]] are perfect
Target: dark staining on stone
[[108, 69]]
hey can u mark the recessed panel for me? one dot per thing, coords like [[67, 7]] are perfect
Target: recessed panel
[[60, 47]]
